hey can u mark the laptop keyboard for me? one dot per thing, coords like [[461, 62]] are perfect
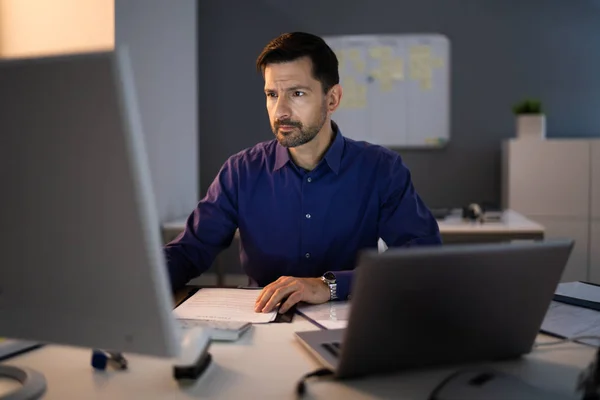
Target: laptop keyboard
[[333, 347]]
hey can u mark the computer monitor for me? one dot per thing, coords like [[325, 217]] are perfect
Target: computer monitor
[[81, 260]]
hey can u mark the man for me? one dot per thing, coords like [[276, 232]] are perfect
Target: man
[[308, 201]]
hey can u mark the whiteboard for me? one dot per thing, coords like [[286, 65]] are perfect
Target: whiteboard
[[396, 89]]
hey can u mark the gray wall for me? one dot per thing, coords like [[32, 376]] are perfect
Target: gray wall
[[502, 51], [162, 40]]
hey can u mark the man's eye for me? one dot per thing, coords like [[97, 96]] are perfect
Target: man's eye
[[271, 94], [298, 93]]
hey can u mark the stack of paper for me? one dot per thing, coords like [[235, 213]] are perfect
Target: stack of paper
[[574, 312], [223, 305]]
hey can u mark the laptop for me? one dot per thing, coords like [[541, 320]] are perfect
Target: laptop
[[433, 306]]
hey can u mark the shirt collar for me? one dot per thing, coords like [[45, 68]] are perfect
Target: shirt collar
[[333, 156]]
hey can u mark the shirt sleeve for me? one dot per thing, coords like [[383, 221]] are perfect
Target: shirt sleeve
[[209, 229], [404, 219]]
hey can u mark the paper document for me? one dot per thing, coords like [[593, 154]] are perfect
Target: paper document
[[331, 315], [579, 290], [223, 305], [570, 321]]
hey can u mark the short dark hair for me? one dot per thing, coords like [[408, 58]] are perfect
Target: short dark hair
[[291, 46]]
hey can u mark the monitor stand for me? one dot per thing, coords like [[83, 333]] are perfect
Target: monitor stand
[[33, 383]]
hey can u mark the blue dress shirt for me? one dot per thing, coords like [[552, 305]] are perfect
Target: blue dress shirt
[[294, 222]]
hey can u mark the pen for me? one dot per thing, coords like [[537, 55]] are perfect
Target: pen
[[101, 358]]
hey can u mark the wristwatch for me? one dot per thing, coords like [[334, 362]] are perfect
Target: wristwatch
[[329, 280]]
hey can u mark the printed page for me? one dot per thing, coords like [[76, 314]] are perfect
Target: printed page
[[223, 305], [571, 321]]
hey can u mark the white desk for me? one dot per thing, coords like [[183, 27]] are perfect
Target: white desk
[[512, 226], [267, 363]]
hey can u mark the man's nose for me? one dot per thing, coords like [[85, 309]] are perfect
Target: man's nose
[[282, 109]]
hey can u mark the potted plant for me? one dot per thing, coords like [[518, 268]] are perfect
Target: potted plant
[[531, 121]]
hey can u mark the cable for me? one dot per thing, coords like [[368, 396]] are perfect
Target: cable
[[567, 340], [444, 382], [301, 387]]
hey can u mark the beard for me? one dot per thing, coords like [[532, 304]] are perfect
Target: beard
[[300, 134]]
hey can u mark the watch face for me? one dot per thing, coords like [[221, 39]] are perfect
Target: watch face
[[329, 276]]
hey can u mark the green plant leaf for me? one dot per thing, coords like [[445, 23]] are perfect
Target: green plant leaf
[[528, 106]]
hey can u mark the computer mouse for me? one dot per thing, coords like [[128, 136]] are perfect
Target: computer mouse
[[491, 385]]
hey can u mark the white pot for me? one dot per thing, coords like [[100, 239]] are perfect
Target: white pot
[[531, 126]]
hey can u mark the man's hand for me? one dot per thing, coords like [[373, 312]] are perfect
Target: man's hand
[[310, 290]]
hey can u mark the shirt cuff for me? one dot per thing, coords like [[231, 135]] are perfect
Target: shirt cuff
[[343, 280]]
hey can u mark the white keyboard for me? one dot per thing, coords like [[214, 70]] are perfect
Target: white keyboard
[[219, 330]]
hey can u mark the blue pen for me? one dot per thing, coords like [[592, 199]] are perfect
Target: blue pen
[[101, 358]]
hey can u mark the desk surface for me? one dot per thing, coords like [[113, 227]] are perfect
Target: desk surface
[[511, 221], [267, 363]]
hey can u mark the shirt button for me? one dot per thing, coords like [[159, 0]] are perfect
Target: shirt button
[[307, 216], [309, 179], [307, 255]]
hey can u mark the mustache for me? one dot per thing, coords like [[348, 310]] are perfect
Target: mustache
[[287, 122]]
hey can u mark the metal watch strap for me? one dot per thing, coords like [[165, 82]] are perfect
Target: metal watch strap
[[332, 288], [332, 291]]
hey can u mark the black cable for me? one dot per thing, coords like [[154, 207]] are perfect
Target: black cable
[[440, 386], [301, 386]]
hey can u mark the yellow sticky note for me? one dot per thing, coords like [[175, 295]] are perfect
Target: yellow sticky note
[[350, 92], [361, 98], [386, 66], [385, 78], [386, 52], [360, 66], [341, 56], [354, 54], [426, 83], [397, 67], [375, 52], [386, 85], [420, 51], [418, 71]]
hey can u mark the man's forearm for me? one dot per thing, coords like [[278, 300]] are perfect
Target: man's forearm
[[180, 270]]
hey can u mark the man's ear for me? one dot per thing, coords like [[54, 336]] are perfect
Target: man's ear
[[334, 97]]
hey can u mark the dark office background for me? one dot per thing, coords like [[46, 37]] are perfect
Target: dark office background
[[501, 52]]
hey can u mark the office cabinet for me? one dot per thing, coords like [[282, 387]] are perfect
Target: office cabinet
[[548, 177], [568, 228], [595, 179], [556, 183], [595, 251], [595, 224]]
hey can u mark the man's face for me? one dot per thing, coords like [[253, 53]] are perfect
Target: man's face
[[295, 102]]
